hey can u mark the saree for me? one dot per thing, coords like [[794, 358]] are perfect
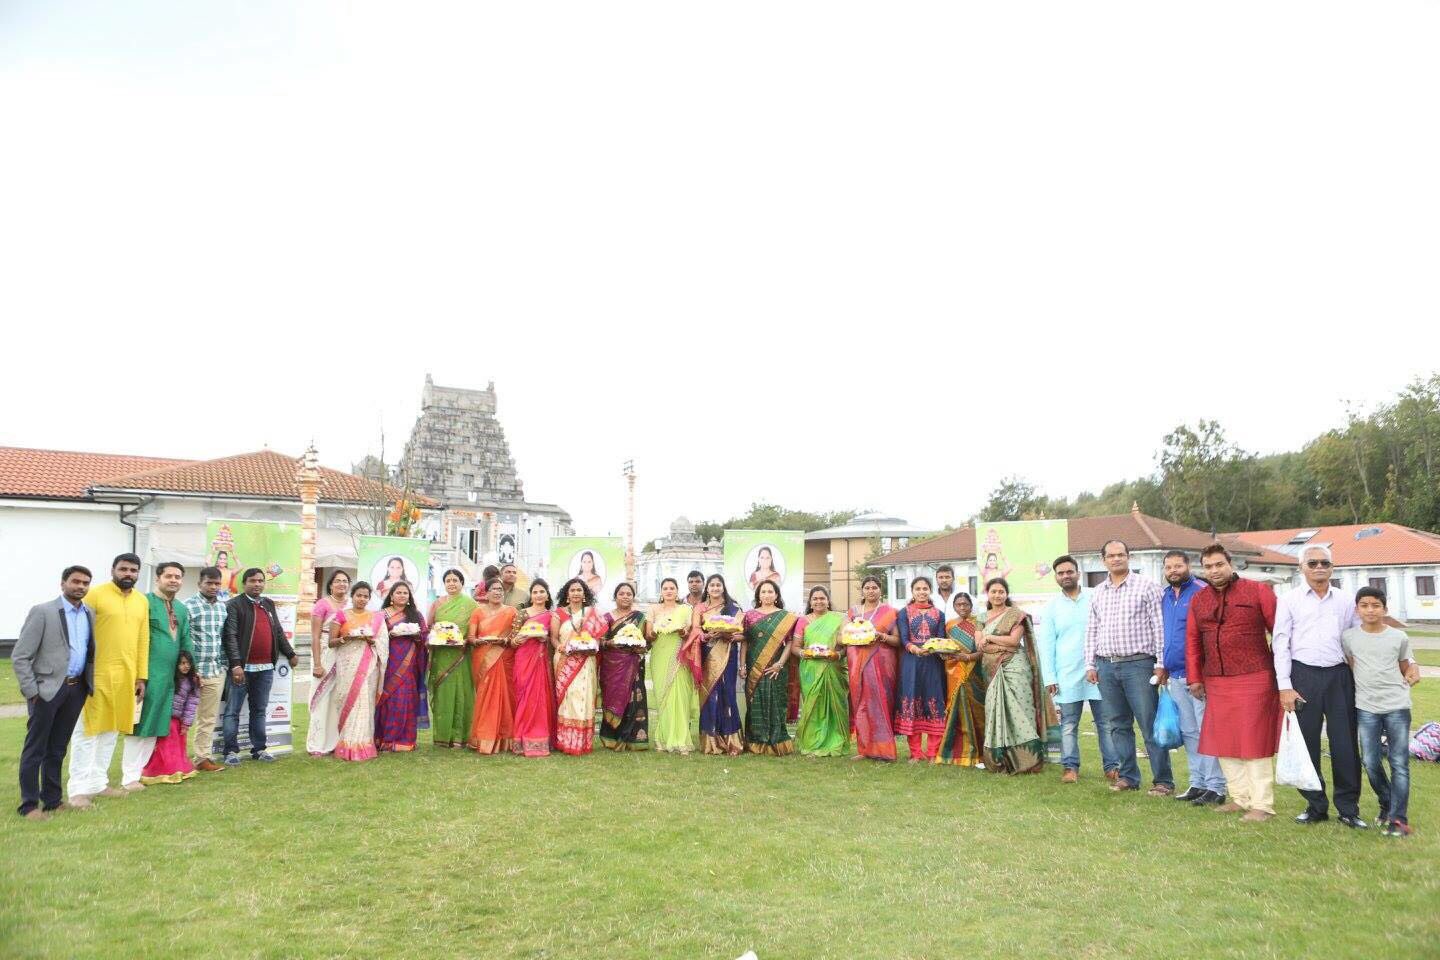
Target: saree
[[401, 705], [766, 637], [324, 730], [534, 694], [576, 678], [824, 729], [963, 742], [675, 704], [492, 722], [920, 707], [872, 687], [1015, 703], [452, 692], [358, 668], [719, 694], [624, 720]]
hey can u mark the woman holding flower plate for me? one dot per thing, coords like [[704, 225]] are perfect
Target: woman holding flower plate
[[492, 664], [401, 710], [452, 692], [716, 626], [361, 646], [533, 689], [824, 729], [673, 663], [624, 719], [577, 643]]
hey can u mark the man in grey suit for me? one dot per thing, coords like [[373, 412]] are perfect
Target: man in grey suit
[[54, 660]]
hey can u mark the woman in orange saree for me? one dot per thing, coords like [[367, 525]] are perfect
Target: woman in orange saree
[[491, 634], [963, 742], [873, 672]]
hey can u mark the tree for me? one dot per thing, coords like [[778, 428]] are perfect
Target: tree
[[1013, 499]]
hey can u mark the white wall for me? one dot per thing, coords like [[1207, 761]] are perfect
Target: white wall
[[39, 539]]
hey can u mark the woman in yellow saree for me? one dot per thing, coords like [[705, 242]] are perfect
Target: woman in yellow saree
[[963, 743]]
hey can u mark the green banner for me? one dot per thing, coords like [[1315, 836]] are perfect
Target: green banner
[[1021, 551], [236, 545], [754, 556], [383, 562], [599, 561]]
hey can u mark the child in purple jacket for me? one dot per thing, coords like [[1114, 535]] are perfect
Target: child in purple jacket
[[170, 763]]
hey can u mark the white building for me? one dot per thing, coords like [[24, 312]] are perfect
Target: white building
[[59, 508], [675, 556], [1403, 562]]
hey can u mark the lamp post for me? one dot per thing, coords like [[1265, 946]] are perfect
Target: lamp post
[[629, 472]]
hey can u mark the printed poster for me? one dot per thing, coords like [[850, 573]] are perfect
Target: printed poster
[[753, 557]]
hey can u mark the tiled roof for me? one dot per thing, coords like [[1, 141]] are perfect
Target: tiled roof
[[65, 474], [1088, 535], [1358, 544], [264, 473]]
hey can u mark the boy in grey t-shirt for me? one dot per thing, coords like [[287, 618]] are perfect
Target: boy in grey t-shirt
[[1385, 670]]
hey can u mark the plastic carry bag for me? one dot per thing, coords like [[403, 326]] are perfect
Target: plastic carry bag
[[1292, 764], [1165, 732]]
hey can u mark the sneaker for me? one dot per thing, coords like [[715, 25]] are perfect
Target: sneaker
[[1208, 799], [264, 756], [1397, 828], [1191, 794], [232, 760]]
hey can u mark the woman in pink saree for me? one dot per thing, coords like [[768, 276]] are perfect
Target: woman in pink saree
[[873, 672], [361, 645], [533, 688]]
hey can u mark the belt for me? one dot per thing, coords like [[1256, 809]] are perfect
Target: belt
[[1127, 658], [71, 681]]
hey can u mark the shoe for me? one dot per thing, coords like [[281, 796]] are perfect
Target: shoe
[[1309, 817], [1398, 828], [1070, 776], [135, 787], [1256, 816], [264, 756], [232, 759], [1354, 823], [36, 814], [208, 765], [1231, 807], [1207, 798], [113, 792], [1160, 790], [1191, 795], [1120, 786], [1112, 775]]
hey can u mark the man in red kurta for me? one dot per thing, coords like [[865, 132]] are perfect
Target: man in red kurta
[[1230, 667]]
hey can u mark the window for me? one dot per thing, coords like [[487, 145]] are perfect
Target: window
[[899, 589], [1380, 583], [974, 586], [1337, 583], [1095, 577], [1425, 586]]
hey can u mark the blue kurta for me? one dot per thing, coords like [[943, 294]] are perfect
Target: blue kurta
[[1060, 645]]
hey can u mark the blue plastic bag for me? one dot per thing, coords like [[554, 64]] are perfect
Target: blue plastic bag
[[1166, 730]]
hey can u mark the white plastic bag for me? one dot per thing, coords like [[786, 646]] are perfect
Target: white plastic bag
[[1292, 764]]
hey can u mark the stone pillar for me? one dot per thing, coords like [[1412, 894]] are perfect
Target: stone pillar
[[307, 482]]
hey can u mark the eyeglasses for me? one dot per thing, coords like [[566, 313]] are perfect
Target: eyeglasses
[[1319, 564]]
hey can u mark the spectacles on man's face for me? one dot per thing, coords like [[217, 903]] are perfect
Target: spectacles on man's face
[[1319, 564]]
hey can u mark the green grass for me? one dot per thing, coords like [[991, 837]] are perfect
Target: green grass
[[1428, 658], [438, 854], [9, 686]]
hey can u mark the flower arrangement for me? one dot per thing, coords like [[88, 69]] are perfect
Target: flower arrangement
[[629, 636], [446, 634], [858, 633], [942, 645], [401, 518], [532, 630], [719, 623]]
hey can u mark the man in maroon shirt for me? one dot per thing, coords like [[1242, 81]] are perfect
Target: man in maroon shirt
[[1230, 667], [253, 640]]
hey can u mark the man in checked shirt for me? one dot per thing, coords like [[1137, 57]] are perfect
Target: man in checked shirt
[[1124, 654], [207, 619]]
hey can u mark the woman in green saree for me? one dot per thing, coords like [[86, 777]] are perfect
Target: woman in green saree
[[452, 695], [963, 743], [824, 729], [767, 647], [1015, 710], [673, 664]]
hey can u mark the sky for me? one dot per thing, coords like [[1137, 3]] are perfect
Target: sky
[[830, 255]]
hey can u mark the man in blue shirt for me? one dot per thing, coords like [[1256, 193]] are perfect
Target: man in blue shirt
[[1060, 646], [54, 661], [1207, 783]]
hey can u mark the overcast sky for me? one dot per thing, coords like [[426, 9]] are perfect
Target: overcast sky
[[824, 254]]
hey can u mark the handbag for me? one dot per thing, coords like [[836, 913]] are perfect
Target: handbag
[[1165, 731], [1292, 764]]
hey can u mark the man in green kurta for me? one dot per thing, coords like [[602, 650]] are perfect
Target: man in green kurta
[[169, 634]]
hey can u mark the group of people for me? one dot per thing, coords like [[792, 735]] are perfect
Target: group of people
[[525, 671]]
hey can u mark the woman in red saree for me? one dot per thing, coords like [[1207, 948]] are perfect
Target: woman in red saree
[[873, 672], [624, 719], [401, 709], [534, 693], [577, 646], [492, 663], [361, 646]]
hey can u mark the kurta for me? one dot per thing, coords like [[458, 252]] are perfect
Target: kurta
[[122, 656], [165, 649]]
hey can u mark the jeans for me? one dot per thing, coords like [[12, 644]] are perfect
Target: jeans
[[256, 691], [1125, 687], [1070, 734], [1204, 771], [1394, 794]]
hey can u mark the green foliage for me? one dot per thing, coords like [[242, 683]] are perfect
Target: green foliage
[[769, 516]]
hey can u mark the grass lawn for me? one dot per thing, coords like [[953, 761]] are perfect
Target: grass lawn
[[1429, 658], [9, 686], [440, 854]]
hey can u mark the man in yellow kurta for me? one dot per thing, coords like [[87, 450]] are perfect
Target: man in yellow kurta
[[122, 664]]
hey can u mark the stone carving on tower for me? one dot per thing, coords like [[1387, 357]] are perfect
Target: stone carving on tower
[[457, 449]]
